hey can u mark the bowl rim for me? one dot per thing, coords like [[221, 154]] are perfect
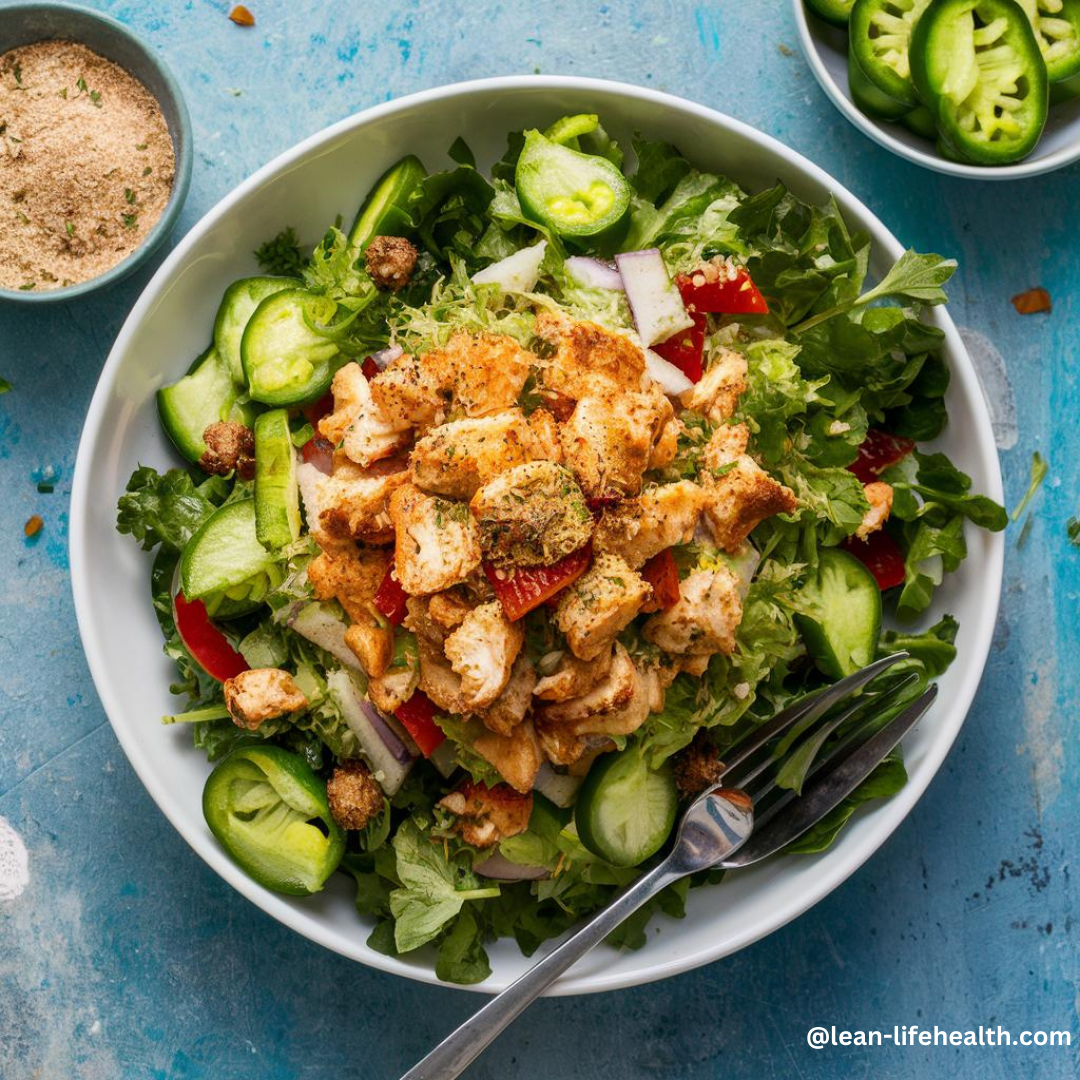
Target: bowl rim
[[181, 140], [878, 130], [833, 871]]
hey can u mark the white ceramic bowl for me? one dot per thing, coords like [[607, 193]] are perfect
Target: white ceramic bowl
[[306, 187], [825, 48]]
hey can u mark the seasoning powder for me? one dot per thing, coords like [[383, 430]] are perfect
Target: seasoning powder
[[86, 165]]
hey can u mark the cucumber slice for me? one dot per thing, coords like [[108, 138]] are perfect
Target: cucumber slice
[[237, 306], [625, 810], [204, 396], [842, 621], [385, 210], [277, 494], [286, 362], [224, 561]]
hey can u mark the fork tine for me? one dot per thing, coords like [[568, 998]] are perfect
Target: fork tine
[[829, 789], [809, 708]]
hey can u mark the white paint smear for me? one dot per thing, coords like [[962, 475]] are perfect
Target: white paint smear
[[14, 863], [998, 391]]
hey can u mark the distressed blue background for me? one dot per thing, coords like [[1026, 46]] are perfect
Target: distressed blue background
[[126, 957]]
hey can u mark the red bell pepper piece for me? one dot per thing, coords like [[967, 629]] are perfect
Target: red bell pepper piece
[[524, 588], [881, 555], [686, 348], [878, 451], [369, 368], [417, 717], [315, 412], [320, 453], [663, 575], [208, 646], [391, 598], [709, 290]]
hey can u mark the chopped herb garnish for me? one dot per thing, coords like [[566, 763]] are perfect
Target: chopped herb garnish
[[1072, 530], [129, 195], [17, 72], [26, 286], [129, 221], [70, 229], [140, 146], [95, 97], [80, 82], [22, 217], [13, 139], [147, 171], [63, 93], [45, 489], [1039, 468]]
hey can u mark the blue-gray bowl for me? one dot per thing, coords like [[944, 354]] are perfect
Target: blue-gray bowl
[[23, 24]]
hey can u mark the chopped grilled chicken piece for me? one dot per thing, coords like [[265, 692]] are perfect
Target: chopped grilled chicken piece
[[880, 496], [516, 756], [354, 502], [716, 395], [624, 720], [437, 679], [609, 438], [739, 493], [533, 515], [357, 423], [456, 459], [487, 815], [480, 375], [586, 354], [637, 529], [373, 644], [666, 446], [573, 677], [482, 650], [695, 665], [705, 618], [448, 609], [406, 395], [599, 605], [349, 575], [390, 690], [610, 694], [512, 706], [437, 541], [262, 694]]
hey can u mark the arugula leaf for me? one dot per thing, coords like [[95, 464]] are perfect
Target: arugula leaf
[[281, 255], [942, 487], [448, 210], [660, 167], [461, 152], [432, 891], [935, 648], [162, 508], [931, 552], [914, 278]]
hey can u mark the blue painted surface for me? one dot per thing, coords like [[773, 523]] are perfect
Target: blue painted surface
[[126, 957]]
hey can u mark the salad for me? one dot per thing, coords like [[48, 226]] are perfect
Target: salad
[[508, 510]]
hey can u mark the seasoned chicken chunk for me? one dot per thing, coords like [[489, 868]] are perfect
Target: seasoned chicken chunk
[[390, 690], [512, 706], [437, 543], [716, 395], [587, 355], [487, 815], [573, 677], [637, 529], [532, 515], [480, 375], [705, 618], [456, 459], [600, 604], [354, 502], [407, 396], [262, 694], [611, 693], [372, 643], [609, 438], [880, 496], [357, 423], [349, 575], [437, 678], [516, 756], [482, 650], [739, 493]]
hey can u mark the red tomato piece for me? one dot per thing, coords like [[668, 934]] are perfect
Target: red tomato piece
[[208, 646], [718, 295], [881, 555], [878, 451], [686, 348], [663, 575], [524, 588], [417, 717], [320, 453], [323, 407], [369, 368], [391, 598]]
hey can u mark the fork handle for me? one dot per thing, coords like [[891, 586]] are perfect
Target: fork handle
[[463, 1046]]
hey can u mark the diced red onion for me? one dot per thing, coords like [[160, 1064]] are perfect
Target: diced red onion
[[498, 866], [672, 381], [398, 750], [386, 356], [594, 273], [658, 309]]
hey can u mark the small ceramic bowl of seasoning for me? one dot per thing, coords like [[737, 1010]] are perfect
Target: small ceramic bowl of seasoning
[[95, 152]]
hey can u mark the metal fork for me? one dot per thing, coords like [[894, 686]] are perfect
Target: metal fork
[[716, 831]]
